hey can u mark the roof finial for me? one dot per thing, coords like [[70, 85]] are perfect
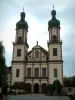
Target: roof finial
[[37, 42], [23, 9], [53, 6]]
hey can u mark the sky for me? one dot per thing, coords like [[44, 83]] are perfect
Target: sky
[[38, 13]]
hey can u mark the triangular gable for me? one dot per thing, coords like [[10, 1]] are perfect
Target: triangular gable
[[38, 47]]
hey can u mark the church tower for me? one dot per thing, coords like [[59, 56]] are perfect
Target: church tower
[[55, 50], [20, 50]]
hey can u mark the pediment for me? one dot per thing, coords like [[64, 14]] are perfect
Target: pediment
[[39, 51]]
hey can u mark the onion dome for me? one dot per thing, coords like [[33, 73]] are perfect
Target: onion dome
[[22, 23], [53, 22]]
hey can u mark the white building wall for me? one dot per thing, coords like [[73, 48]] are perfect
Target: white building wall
[[36, 65], [21, 76], [51, 72], [21, 58], [58, 57]]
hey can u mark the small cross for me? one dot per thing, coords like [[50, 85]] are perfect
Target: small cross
[[23, 9], [53, 6], [37, 42]]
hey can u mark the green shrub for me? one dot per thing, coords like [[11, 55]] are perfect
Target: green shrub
[[50, 89], [57, 86]]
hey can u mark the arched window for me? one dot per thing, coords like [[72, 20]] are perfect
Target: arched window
[[54, 38], [37, 54], [20, 39]]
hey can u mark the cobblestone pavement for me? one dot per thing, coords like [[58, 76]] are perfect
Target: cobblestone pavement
[[37, 97]]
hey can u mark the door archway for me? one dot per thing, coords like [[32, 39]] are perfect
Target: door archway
[[36, 88]]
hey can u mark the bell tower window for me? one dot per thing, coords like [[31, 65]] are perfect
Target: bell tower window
[[54, 51], [20, 39], [54, 38], [18, 52]]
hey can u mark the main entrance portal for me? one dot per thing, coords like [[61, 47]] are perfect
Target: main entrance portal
[[36, 88]]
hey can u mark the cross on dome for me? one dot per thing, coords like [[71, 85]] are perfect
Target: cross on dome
[[37, 42], [53, 6], [23, 9]]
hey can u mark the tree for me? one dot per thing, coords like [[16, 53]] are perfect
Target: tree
[[57, 86], [19, 86], [3, 72], [69, 81], [73, 81]]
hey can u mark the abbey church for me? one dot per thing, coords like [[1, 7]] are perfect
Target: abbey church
[[37, 67]]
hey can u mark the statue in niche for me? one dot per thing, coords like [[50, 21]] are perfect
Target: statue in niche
[[37, 54]]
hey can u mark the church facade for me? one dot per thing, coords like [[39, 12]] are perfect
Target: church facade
[[37, 67]]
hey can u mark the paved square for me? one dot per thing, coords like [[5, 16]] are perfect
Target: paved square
[[37, 97]]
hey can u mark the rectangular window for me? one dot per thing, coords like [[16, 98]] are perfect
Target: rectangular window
[[18, 52], [36, 72], [17, 72], [43, 72], [54, 51], [55, 72], [28, 72]]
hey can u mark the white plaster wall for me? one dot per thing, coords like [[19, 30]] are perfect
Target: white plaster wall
[[44, 81], [21, 76], [25, 34], [36, 65], [50, 34], [29, 66], [44, 65], [51, 72], [42, 56], [58, 57], [54, 31], [58, 34], [36, 81], [57, 31], [15, 53]]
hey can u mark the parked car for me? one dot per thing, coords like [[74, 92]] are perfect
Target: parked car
[[71, 95]]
